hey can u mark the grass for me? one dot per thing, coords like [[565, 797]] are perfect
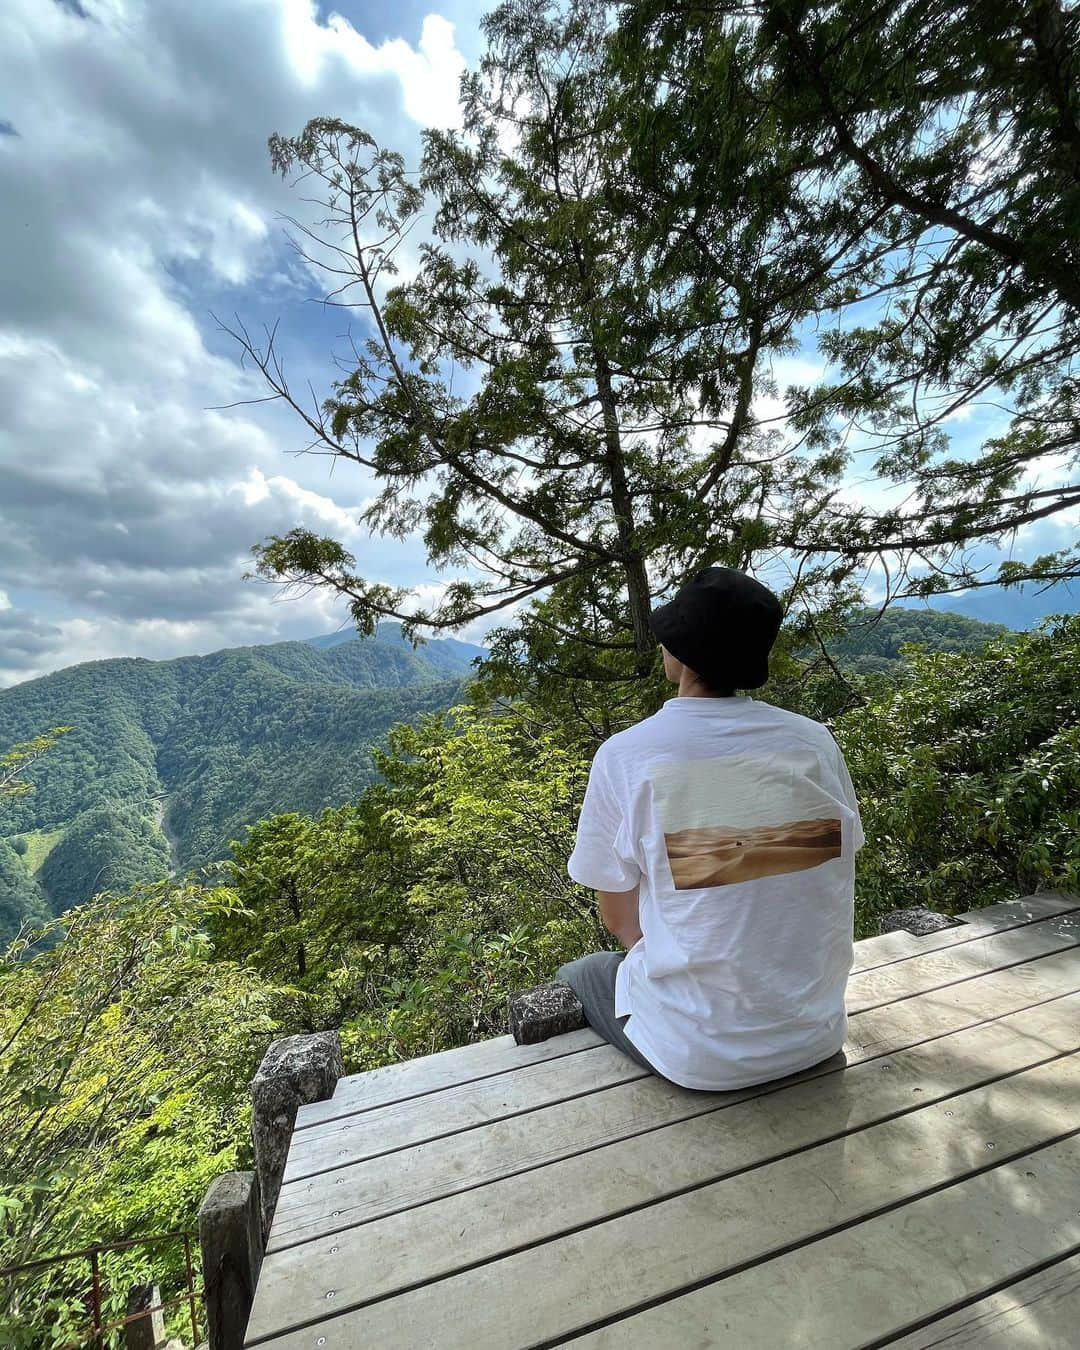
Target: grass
[[39, 844]]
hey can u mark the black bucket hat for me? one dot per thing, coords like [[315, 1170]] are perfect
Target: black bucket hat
[[722, 624]]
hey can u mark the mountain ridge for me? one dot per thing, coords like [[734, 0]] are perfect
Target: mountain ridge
[[196, 748]]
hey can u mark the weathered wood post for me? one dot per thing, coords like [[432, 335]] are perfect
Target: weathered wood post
[[295, 1070], [543, 1011], [231, 1241]]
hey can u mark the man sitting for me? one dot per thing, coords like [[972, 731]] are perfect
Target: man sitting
[[720, 835]]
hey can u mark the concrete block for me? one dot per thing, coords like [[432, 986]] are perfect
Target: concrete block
[[295, 1070], [231, 1242], [543, 1011]]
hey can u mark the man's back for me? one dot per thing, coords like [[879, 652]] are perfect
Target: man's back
[[739, 823]]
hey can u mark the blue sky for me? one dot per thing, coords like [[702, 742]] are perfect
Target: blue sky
[[138, 198]]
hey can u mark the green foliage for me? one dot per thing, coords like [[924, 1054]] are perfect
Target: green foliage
[[896, 199], [15, 762], [35, 846], [124, 1055], [873, 643], [483, 810], [969, 776], [21, 898], [308, 895], [420, 908]]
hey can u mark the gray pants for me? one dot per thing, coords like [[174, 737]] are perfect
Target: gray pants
[[592, 978]]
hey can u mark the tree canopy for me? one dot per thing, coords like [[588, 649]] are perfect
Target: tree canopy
[[557, 415], [926, 162], [645, 209]]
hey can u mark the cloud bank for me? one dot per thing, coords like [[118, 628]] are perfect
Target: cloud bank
[[133, 163]]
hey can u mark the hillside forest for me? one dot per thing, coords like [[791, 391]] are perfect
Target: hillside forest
[[167, 761], [569, 395]]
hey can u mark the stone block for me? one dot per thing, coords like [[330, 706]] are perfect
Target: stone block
[[295, 1070], [917, 921], [543, 1011], [231, 1243], [147, 1332]]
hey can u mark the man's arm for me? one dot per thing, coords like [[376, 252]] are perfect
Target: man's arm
[[619, 911]]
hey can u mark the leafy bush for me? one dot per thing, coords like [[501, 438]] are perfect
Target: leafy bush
[[124, 1057], [969, 776]]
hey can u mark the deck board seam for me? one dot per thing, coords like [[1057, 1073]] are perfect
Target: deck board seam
[[736, 1268], [972, 937], [705, 1182], [964, 979], [989, 1291], [458, 1082], [768, 1090], [784, 1250], [464, 1129]]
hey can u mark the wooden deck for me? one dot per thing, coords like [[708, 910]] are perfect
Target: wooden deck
[[928, 1194]]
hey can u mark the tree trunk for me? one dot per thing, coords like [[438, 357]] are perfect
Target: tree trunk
[[630, 557]]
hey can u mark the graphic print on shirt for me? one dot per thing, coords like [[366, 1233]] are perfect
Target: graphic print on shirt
[[737, 818]]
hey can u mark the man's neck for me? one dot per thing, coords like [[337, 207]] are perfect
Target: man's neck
[[691, 687]]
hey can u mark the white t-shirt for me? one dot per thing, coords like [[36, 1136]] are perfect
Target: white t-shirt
[[740, 824]]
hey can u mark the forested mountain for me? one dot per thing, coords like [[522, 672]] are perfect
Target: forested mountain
[[873, 641], [169, 760]]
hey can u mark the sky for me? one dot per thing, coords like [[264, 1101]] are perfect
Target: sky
[[137, 197], [137, 201]]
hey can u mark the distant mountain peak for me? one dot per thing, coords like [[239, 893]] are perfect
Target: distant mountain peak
[[391, 632]]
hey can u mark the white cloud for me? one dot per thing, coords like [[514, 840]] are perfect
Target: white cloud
[[786, 371], [140, 195]]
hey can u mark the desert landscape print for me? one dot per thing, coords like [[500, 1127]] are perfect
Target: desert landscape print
[[720, 855], [733, 818]]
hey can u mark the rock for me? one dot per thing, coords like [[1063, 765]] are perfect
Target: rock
[[295, 1070], [148, 1331], [917, 921], [543, 1011]]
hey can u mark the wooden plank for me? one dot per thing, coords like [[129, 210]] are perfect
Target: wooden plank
[[1039, 906], [430, 1073], [433, 1241], [854, 1288], [995, 951], [1035, 1314], [903, 946], [448, 1068], [349, 1140], [547, 1293], [369, 1190], [402, 1124]]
